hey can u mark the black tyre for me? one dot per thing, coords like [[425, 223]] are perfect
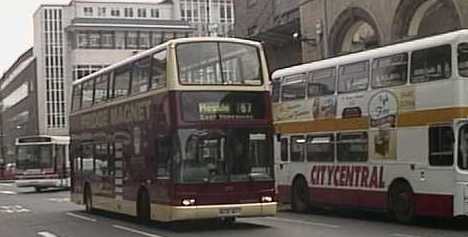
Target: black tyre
[[38, 189], [402, 202], [88, 199], [143, 208], [228, 220], [300, 196]]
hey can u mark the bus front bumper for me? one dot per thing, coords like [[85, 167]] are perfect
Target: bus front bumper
[[176, 213], [40, 183]]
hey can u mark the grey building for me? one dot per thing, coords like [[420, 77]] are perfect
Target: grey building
[[18, 104], [209, 17], [341, 26], [273, 22], [74, 40]]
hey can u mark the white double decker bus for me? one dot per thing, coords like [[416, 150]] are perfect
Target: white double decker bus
[[43, 162], [383, 129]]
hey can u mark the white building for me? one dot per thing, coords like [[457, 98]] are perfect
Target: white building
[[71, 41], [209, 17]]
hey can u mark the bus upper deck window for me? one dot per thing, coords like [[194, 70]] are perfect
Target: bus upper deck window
[[353, 77], [463, 59], [431, 64], [275, 91]]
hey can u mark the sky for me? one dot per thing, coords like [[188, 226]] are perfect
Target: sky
[[16, 25]]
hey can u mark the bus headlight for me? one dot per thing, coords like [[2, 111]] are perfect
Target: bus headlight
[[188, 202], [267, 199]]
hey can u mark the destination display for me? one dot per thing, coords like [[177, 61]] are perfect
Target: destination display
[[213, 106]]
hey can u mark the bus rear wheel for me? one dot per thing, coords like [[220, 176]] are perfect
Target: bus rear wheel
[[402, 202], [143, 208], [300, 196]]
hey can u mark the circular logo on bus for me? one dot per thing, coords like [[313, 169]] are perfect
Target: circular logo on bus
[[383, 109]]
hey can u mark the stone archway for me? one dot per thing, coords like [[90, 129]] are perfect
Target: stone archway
[[353, 30], [423, 17]]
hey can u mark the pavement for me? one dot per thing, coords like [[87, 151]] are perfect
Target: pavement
[[24, 212]]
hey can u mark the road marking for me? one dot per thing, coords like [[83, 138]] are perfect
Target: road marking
[[303, 222], [135, 231], [81, 217], [8, 192], [403, 235], [13, 209], [6, 184], [46, 234], [59, 199]]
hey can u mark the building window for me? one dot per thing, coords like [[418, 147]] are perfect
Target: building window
[[88, 11], [441, 142], [154, 13], [431, 64], [120, 40], [156, 38], [115, 12], [82, 40], [352, 147], [141, 12], [144, 41], [107, 40], [101, 11], [94, 40], [131, 40], [128, 12]]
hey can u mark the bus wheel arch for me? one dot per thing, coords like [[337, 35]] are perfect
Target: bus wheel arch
[[143, 207], [88, 198], [300, 197], [401, 200]]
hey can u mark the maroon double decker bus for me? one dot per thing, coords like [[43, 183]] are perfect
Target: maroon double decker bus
[[181, 131]]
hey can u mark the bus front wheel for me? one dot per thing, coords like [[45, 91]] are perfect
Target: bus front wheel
[[143, 208], [402, 202], [300, 196]]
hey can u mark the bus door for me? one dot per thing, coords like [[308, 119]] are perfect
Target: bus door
[[461, 193], [61, 169], [438, 175]]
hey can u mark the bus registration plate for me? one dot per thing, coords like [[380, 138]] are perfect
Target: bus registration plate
[[235, 211]]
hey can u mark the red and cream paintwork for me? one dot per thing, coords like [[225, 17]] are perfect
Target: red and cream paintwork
[[159, 113], [438, 191]]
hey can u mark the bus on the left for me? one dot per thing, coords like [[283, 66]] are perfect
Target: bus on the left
[[42, 162]]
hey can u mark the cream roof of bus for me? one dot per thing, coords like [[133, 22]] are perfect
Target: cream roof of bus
[[165, 46], [409, 46]]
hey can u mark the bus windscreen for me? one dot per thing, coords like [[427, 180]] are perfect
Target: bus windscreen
[[218, 63]]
